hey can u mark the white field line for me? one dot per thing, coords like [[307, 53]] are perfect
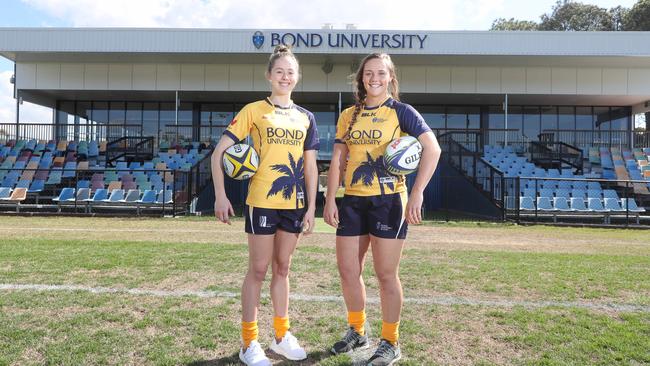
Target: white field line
[[435, 300]]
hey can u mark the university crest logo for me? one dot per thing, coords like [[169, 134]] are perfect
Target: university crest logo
[[258, 39]]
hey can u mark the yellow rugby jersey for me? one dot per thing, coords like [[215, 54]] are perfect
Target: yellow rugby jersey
[[374, 129], [280, 137]]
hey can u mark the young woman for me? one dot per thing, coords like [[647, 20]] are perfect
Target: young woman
[[374, 211], [280, 203]]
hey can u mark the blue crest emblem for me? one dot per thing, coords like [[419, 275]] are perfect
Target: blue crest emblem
[[258, 39]]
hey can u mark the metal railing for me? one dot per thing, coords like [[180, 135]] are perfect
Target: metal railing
[[544, 193], [586, 138], [547, 152], [136, 148], [484, 176], [175, 183]]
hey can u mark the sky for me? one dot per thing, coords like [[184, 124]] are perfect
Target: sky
[[421, 15]]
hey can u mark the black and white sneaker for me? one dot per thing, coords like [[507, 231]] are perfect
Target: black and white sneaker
[[351, 341], [385, 355]]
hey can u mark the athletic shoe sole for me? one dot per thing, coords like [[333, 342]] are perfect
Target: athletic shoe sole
[[279, 352], [365, 346]]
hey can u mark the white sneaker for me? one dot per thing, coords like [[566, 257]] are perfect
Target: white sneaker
[[289, 348], [254, 355]]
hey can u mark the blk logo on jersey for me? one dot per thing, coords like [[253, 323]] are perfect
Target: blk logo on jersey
[[368, 114]]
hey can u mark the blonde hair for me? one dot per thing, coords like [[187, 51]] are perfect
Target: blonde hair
[[360, 92]]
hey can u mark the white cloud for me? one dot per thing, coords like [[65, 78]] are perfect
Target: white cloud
[[28, 112]]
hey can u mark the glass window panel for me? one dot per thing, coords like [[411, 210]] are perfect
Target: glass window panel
[[496, 118], [549, 118], [133, 113], [434, 115], [531, 119], [456, 118], [584, 118], [150, 119], [566, 118], [167, 116], [117, 113]]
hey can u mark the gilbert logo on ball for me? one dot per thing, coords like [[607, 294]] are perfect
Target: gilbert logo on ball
[[402, 155], [240, 161]]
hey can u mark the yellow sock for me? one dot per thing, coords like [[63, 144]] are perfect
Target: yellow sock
[[390, 332], [248, 332], [357, 320], [281, 325]]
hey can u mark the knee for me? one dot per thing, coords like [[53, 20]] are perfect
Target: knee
[[281, 268], [350, 274], [257, 273], [387, 279]]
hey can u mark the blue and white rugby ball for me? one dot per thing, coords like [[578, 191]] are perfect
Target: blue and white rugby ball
[[402, 155]]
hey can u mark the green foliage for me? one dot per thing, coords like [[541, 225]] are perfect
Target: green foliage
[[503, 24], [638, 18], [570, 15]]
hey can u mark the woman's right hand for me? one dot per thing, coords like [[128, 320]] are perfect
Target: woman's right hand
[[331, 214], [223, 209]]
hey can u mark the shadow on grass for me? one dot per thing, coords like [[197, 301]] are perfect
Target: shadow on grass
[[313, 358]]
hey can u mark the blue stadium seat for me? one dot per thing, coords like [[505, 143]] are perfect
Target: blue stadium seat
[[37, 186], [66, 194], [594, 193], [117, 195], [630, 204], [132, 196], [578, 204], [561, 204], [99, 195], [613, 204], [544, 204], [596, 204], [526, 203], [610, 193], [5, 192]]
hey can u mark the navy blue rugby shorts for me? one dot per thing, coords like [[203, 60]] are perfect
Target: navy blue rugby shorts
[[266, 221], [381, 216]]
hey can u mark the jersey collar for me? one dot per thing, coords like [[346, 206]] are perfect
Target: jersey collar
[[385, 102], [268, 100]]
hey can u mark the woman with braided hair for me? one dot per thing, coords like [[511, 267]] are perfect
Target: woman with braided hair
[[375, 210]]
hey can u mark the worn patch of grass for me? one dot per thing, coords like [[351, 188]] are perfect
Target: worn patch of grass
[[85, 328]]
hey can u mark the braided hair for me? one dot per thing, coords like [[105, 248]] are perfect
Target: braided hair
[[360, 91]]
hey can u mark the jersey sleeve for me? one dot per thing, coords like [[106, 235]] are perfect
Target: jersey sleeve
[[411, 121], [241, 125], [312, 141], [342, 127]]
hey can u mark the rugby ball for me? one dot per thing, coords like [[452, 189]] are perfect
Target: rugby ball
[[240, 161], [402, 155]]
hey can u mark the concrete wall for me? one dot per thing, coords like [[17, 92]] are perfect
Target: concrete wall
[[417, 79]]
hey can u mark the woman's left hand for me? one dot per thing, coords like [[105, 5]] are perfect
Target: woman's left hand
[[309, 221], [414, 208]]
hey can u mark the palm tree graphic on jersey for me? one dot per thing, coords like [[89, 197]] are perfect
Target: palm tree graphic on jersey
[[367, 170], [292, 179]]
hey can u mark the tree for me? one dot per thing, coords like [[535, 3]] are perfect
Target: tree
[[292, 180], [638, 18], [503, 24], [618, 15], [568, 15], [369, 169]]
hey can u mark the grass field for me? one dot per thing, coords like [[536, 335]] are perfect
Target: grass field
[[478, 294]]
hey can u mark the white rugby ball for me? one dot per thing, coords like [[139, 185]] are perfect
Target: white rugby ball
[[402, 155], [240, 161]]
